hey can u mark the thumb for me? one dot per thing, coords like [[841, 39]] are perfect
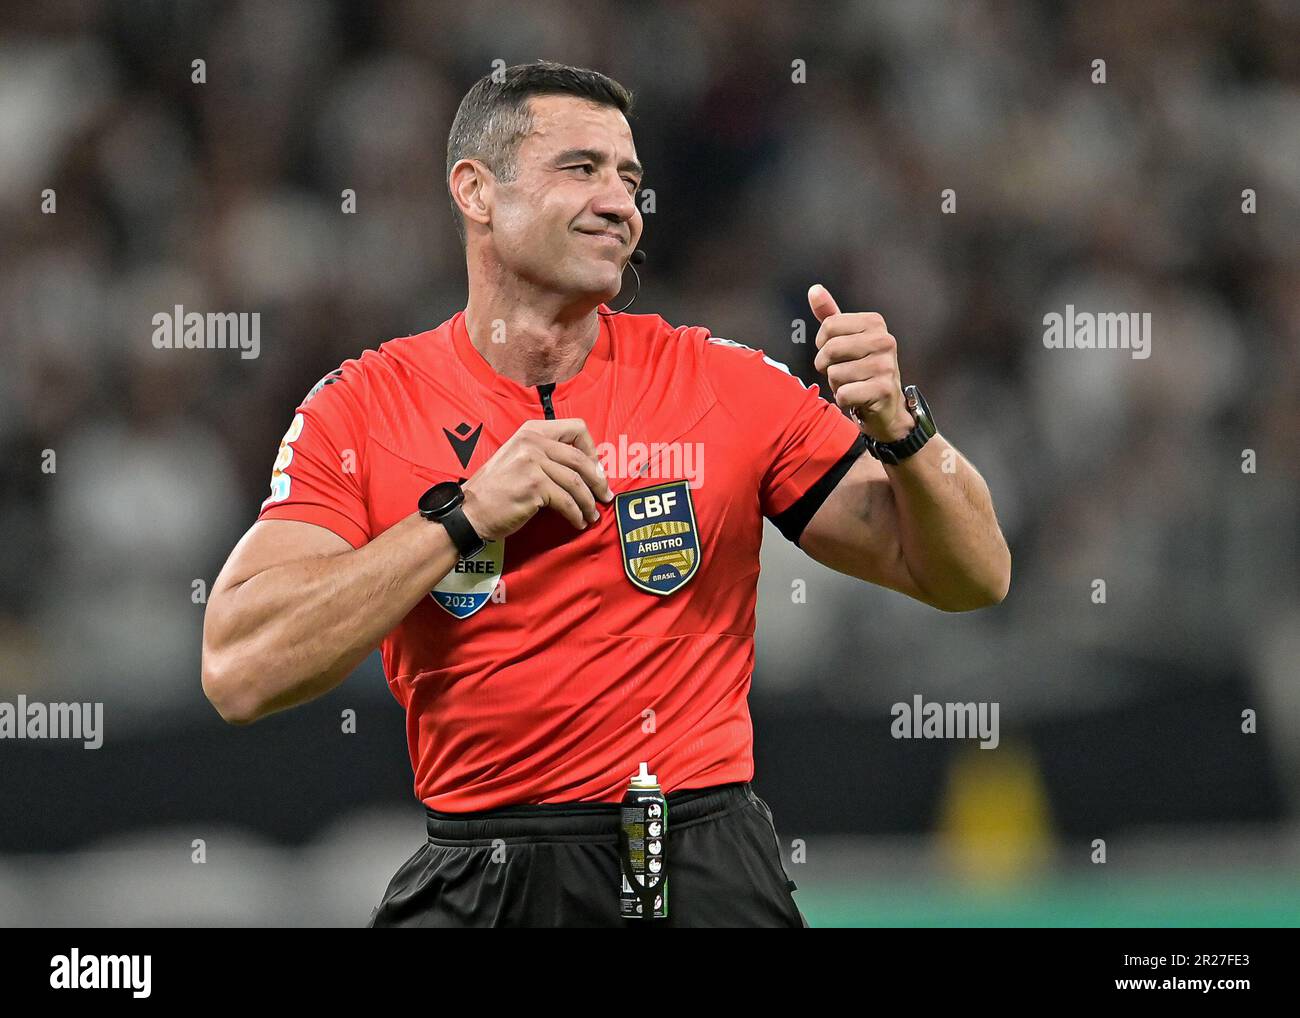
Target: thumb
[[822, 303]]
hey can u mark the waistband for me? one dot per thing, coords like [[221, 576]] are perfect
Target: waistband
[[579, 821]]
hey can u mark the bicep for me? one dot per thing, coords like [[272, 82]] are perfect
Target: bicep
[[855, 530], [270, 543]]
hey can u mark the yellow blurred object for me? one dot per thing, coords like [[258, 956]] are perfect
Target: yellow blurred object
[[994, 825]]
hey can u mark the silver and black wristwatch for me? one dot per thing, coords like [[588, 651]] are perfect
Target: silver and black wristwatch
[[911, 443]]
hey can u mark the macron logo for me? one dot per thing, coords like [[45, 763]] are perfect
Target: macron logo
[[463, 442], [75, 971]]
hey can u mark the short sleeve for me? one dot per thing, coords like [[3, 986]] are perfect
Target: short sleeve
[[803, 443], [318, 472]]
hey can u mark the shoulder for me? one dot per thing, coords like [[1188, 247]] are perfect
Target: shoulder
[[347, 395], [734, 373], [343, 390], [729, 354], [742, 374], [389, 369], [714, 355]]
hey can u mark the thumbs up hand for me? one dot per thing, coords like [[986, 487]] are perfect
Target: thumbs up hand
[[860, 360]]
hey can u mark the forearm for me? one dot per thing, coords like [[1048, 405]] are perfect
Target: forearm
[[294, 631], [948, 530]]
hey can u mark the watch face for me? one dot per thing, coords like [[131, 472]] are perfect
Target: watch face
[[438, 499], [920, 410]]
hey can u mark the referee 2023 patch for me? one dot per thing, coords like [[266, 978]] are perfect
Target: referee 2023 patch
[[469, 585], [658, 536]]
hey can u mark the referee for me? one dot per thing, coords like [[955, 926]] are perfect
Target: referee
[[547, 515]]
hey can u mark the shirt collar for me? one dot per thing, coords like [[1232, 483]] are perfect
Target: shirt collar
[[591, 372]]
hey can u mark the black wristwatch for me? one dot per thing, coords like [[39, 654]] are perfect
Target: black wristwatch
[[442, 504], [911, 443]]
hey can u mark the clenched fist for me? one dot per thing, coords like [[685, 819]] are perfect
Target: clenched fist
[[544, 463], [860, 360]]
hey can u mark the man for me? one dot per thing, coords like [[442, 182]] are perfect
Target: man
[[547, 517]]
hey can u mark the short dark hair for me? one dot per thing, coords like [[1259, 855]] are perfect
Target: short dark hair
[[494, 117]]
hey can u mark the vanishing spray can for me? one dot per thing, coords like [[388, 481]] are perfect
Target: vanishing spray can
[[643, 843]]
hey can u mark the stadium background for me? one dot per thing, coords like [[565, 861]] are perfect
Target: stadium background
[[1119, 721]]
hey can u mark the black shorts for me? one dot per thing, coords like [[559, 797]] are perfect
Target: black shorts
[[558, 865]]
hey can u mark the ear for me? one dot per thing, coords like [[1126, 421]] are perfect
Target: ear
[[471, 184]]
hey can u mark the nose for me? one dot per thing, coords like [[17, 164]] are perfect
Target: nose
[[614, 204]]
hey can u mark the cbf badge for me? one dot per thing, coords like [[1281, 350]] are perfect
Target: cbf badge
[[469, 585], [658, 536]]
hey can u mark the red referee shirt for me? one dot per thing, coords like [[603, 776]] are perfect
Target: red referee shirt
[[550, 665]]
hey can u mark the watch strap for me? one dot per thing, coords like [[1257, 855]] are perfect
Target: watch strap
[[914, 440], [462, 532], [894, 452]]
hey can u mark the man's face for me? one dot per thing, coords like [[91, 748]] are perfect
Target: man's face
[[568, 221]]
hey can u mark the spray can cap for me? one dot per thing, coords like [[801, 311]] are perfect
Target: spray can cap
[[645, 779]]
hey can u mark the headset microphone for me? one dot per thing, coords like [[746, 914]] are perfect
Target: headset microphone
[[637, 258]]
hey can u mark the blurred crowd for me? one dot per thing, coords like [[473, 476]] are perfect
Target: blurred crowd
[[786, 144]]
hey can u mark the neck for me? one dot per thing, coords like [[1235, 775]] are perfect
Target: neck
[[529, 335]]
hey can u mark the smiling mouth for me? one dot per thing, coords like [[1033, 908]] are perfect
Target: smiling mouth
[[609, 237]]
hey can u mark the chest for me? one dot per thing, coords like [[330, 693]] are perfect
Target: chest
[[670, 553]]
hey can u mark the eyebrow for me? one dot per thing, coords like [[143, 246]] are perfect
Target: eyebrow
[[590, 154]]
